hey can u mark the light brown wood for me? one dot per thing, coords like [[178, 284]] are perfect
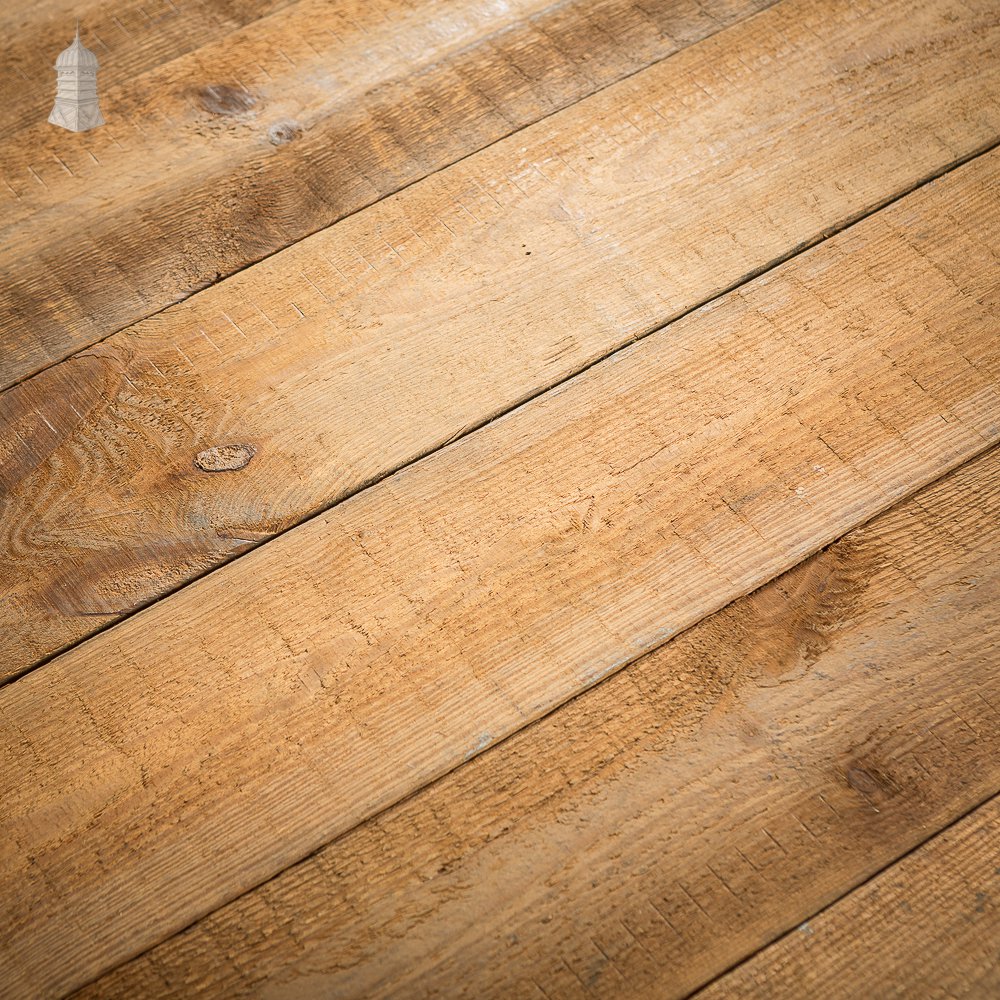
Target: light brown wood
[[220, 735], [272, 132], [927, 927], [389, 334], [128, 39], [660, 827]]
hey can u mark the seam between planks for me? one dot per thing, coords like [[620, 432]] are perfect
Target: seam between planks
[[374, 201], [846, 893], [539, 720], [749, 276]]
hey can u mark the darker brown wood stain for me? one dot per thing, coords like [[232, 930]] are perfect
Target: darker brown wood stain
[[780, 631]]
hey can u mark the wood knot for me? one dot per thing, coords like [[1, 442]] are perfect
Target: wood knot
[[222, 99], [860, 780], [225, 457], [281, 132], [872, 782]]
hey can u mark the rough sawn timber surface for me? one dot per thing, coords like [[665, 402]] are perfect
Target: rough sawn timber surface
[[391, 333], [211, 740], [245, 145], [680, 815], [927, 927]]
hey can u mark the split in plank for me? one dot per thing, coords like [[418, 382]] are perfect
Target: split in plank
[[659, 828], [218, 736], [270, 133], [374, 342], [929, 926]]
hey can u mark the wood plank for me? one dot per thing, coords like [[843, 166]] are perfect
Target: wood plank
[[270, 133], [508, 272], [128, 39], [660, 827], [927, 927], [218, 736]]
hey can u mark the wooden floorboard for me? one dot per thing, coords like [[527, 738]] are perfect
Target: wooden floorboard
[[929, 926], [381, 338], [266, 134], [222, 734], [659, 828]]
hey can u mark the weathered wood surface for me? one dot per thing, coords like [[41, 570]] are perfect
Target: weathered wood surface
[[927, 927], [378, 340], [662, 826], [274, 131], [128, 40], [212, 739]]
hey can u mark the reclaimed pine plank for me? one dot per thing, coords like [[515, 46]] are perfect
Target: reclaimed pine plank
[[927, 927], [679, 816], [385, 336], [269, 133], [128, 38], [185, 756]]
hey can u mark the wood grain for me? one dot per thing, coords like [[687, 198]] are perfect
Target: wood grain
[[393, 332], [128, 39], [927, 927], [657, 829], [222, 734], [272, 132]]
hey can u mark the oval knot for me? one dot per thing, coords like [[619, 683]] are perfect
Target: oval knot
[[281, 132], [225, 457]]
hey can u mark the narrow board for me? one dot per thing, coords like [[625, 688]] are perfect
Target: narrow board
[[209, 741], [270, 133], [128, 40], [366, 346], [927, 927], [657, 829]]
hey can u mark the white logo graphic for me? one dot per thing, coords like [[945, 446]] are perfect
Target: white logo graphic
[[76, 89]]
